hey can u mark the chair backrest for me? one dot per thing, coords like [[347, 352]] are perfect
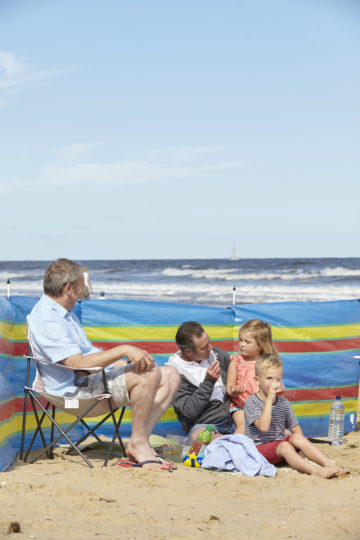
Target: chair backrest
[[38, 383], [89, 408], [69, 405]]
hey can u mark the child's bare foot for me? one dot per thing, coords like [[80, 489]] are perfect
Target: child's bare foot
[[343, 472], [325, 472], [338, 470]]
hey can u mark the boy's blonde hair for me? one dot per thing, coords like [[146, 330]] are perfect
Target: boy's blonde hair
[[266, 361], [261, 332]]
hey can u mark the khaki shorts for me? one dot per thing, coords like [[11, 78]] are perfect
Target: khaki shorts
[[116, 383]]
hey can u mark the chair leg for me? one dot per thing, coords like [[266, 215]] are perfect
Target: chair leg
[[51, 453], [92, 430], [26, 396], [23, 431], [116, 434], [63, 433], [38, 423]]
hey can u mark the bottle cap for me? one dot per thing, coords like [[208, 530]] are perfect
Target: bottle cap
[[338, 397]]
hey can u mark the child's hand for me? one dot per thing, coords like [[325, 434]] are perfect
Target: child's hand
[[236, 390], [273, 389]]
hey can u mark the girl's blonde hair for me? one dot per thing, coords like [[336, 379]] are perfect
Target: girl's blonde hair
[[261, 332]]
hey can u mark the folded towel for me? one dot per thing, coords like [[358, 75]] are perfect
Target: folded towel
[[236, 453]]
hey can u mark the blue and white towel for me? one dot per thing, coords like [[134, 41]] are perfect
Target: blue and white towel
[[236, 453]]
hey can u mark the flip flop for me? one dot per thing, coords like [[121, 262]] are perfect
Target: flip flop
[[167, 462], [168, 465], [127, 463], [141, 463]]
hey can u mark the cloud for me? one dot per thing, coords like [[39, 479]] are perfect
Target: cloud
[[113, 218], [74, 151], [198, 150], [127, 171], [190, 151], [15, 73]]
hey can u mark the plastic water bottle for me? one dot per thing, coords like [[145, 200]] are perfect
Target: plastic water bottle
[[336, 422], [206, 435], [203, 439]]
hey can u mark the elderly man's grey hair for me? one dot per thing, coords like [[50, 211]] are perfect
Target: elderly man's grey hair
[[58, 274]]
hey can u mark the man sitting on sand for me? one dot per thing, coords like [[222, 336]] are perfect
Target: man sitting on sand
[[201, 398], [56, 335], [268, 414]]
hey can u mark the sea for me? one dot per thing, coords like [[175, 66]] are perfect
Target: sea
[[213, 282]]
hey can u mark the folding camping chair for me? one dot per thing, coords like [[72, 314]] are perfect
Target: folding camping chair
[[80, 408]]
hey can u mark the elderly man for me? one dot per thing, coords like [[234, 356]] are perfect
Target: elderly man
[[56, 335], [201, 398]]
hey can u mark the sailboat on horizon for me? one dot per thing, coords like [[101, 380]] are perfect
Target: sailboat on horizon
[[234, 255]]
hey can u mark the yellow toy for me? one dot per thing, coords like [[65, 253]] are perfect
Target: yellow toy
[[190, 460]]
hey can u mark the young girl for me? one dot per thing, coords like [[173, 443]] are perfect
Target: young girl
[[254, 340]]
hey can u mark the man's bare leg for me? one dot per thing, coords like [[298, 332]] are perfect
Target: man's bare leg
[[142, 388], [150, 395], [169, 383]]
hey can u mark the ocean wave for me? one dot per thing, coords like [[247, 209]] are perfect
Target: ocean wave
[[4, 276], [222, 294], [205, 281], [232, 274], [340, 271], [206, 273], [203, 293]]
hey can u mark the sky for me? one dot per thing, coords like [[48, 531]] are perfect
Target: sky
[[178, 129]]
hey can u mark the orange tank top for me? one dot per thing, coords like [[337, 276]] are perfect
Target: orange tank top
[[245, 373]]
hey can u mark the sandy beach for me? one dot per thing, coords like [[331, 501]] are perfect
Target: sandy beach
[[63, 498]]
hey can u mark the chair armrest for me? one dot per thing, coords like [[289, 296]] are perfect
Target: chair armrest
[[41, 360]]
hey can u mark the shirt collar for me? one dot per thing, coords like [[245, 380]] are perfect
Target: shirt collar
[[55, 306], [203, 363]]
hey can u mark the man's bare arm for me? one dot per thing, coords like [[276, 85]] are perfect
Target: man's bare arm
[[142, 360]]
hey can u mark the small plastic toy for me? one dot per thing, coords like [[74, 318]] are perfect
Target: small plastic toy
[[191, 460]]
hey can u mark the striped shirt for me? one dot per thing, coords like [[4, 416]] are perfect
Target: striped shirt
[[282, 417]]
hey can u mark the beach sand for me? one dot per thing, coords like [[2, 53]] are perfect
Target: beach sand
[[63, 498]]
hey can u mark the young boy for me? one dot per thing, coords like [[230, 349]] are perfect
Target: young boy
[[267, 415]]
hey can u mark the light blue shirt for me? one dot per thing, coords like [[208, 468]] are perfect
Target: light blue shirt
[[56, 334]]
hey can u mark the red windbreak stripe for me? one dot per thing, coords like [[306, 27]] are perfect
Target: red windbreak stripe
[[169, 347], [5, 346], [18, 403], [7, 410], [153, 347], [318, 394], [302, 394], [19, 348], [161, 347], [317, 346]]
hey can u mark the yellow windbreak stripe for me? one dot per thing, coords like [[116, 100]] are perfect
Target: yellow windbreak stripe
[[9, 428], [167, 333], [300, 409], [63, 418], [316, 332], [19, 332], [7, 330], [148, 333], [321, 408]]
